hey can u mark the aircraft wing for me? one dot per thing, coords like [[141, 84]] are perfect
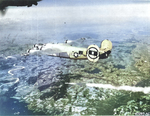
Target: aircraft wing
[[5, 3], [63, 50]]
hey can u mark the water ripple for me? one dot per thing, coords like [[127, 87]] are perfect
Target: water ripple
[[17, 68]]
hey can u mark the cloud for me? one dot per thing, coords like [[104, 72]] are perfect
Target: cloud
[[89, 2], [81, 14]]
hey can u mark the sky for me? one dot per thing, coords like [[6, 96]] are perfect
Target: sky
[[90, 2], [84, 9], [51, 18], [88, 12]]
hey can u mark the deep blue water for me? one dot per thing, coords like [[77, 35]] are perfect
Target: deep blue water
[[17, 82], [14, 107]]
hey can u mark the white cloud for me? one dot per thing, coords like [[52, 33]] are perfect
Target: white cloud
[[80, 14]]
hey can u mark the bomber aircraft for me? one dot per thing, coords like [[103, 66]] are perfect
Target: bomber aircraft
[[64, 50], [5, 3]]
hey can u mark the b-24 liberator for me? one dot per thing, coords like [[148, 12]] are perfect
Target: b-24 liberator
[[64, 50]]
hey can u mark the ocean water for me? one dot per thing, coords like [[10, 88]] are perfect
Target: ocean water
[[40, 84], [21, 76]]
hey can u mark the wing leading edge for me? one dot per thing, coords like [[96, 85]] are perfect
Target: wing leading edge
[[63, 50]]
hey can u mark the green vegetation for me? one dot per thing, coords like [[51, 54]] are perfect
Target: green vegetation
[[129, 64]]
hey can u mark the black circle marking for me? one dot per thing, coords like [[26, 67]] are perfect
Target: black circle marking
[[95, 52]]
